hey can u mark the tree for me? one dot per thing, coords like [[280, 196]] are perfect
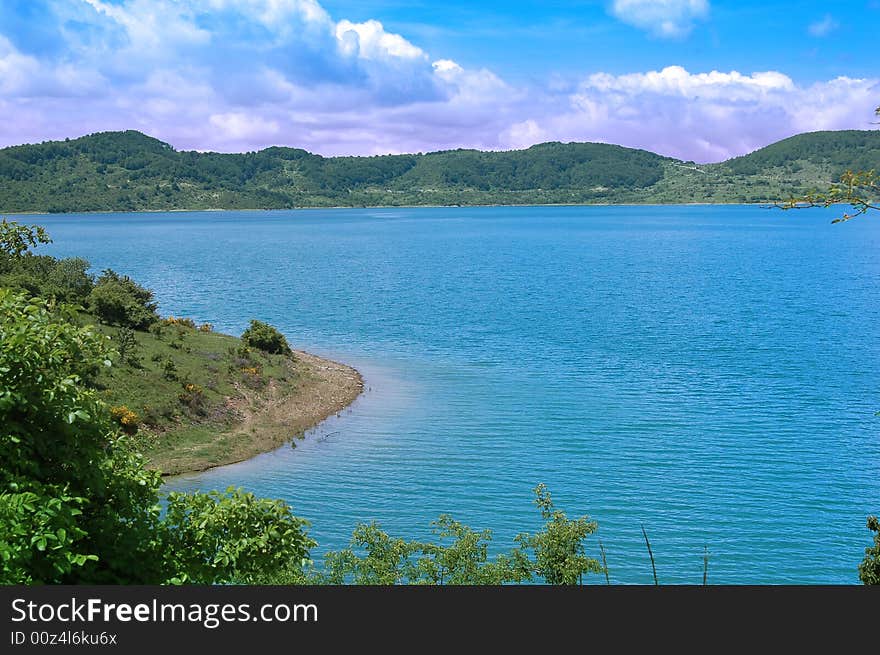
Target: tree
[[16, 239], [231, 536], [77, 505], [558, 550], [119, 300], [869, 569], [263, 336]]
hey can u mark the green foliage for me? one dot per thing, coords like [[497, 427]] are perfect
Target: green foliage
[[385, 560], [66, 280], [77, 505], [67, 471], [17, 239], [557, 552], [127, 345], [169, 369], [555, 555], [869, 569], [465, 561], [263, 336], [119, 300], [232, 536]]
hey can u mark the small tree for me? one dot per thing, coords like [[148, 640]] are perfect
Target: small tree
[[558, 550], [17, 239], [119, 300], [233, 536], [869, 569], [263, 336]]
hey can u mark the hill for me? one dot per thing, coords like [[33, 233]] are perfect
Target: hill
[[129, 171]]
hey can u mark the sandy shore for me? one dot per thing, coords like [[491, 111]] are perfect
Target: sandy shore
[[273, 416]]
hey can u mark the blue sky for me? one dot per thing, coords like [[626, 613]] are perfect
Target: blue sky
[[696, 79]]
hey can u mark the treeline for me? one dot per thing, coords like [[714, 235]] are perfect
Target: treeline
[[126, 171], [78, 505]]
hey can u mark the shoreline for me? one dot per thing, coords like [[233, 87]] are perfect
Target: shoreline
[[272, 418], [219, 210]]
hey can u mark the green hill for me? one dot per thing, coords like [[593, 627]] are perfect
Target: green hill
[[127, 171]]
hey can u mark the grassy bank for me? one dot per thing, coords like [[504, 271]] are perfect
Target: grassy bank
[[195, 398]]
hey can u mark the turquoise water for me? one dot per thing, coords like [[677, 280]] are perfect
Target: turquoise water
[[709, 372]]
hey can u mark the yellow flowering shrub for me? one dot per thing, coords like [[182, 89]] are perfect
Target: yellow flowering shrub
[[179, 321], [127, 419]]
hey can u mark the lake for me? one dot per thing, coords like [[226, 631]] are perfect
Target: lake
[[710, 373]]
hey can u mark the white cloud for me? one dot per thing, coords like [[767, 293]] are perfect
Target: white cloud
[[369, 40], [237, 126], [676, 81], [706, 116], [663, 18], [524, 134], [823, 27]]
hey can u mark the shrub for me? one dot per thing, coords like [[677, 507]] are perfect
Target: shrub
[[69, 280], [869, 569], [193, 398], [119, 300], [179, 321], [126, 418], [206, 327], [252, 377], [127, 345], [169, 370], [77, 505], [263, 336]]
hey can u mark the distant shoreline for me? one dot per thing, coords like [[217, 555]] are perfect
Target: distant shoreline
[[289, 209]]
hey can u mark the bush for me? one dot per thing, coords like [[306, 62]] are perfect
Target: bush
[[263, 336], [77, 505], [127, 419], [119, 300], [69, 280], [127, 345], [869, 569], [65, 279], [193, 398], [179, 321], [169, 369]]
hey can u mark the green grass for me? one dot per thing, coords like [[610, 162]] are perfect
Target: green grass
[[174, 418]]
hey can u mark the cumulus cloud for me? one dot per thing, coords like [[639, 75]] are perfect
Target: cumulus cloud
[[823, 27], [369, 40], [663, 18], [706, 116], [237, 75]]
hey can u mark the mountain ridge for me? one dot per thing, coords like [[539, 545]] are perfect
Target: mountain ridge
[[132, 171]]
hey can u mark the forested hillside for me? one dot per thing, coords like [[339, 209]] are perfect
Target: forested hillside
[[125, 171]]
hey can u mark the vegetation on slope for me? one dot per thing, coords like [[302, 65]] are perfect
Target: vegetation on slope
[[188, 398], [125, 171]]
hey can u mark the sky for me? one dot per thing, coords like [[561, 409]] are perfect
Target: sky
[[700, 80]]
